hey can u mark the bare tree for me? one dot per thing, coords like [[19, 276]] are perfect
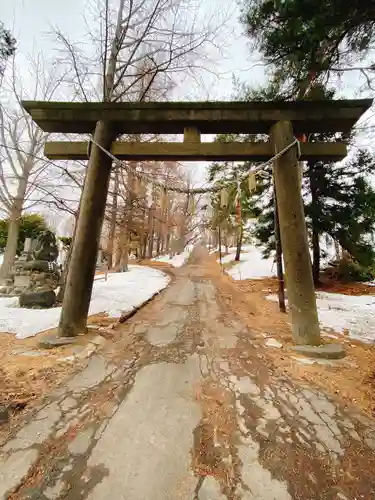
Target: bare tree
[[24, 179], [138, 45], [135, 46], [136, 52]]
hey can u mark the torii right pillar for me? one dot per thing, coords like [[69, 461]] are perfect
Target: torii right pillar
[[293, 233]]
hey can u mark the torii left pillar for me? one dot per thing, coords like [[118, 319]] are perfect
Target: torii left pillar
[[82, 266]]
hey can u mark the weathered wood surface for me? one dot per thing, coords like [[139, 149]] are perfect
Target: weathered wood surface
[[82, 266], [207, 117], [193, 151], [293, 232]]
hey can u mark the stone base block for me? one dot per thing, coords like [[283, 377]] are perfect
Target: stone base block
[[44, 299], [53, 341], [325, 351]]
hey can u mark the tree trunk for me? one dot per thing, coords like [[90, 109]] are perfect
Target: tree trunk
[[124, 248], [167, 242], [150, 234], [316, 256], [123, 257], [112, 230], [279, 256], [12, 241], [144, 245], [121, 244], [226, 242], [214, 239], [315, 224], [337, 249], [14, 228], [124, 266], [219, 238], [151, 244], [64, 277], [239, 243], [86, 243], [167, 229], [158, 243]]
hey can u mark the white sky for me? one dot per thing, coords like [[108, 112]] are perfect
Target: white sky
[[31, 22]]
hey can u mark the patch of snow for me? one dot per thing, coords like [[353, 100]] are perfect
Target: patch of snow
[[121, 293], [252, 265], [354, 314], [1, 258], [178, 260], [273, 343], [227, 258], [325, 362], [331, 336], [304, 361], [223, 249]]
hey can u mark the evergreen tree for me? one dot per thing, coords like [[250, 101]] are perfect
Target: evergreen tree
[[339, 199], [7, 46], [302, 37], [345, 205], [32, 225]]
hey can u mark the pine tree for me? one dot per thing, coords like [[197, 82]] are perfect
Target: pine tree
[[339, 199], [302, 37], [7, 46]]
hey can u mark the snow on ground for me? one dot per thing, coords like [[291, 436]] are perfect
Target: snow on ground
[[121, 293], [338, 312], [353, 313], [178, 260], [232, 253], [231, 250], [251, 266]]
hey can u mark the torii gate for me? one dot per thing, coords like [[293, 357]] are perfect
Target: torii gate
[[281, 120]]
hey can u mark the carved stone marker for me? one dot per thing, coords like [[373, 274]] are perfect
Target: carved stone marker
[[41, 272], [34, 281], [22, 280]]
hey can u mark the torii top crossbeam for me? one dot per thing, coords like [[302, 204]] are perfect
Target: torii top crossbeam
[[207, 117]]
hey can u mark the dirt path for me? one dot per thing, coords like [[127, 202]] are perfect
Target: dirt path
[[185, 404]]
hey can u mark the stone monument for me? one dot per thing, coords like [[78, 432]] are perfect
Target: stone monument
[[42, 273], [35, 274]]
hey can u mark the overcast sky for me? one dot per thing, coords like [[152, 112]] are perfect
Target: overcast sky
[[31, 22]]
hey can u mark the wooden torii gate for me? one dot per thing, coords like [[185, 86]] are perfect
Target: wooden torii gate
[[281, 120]]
